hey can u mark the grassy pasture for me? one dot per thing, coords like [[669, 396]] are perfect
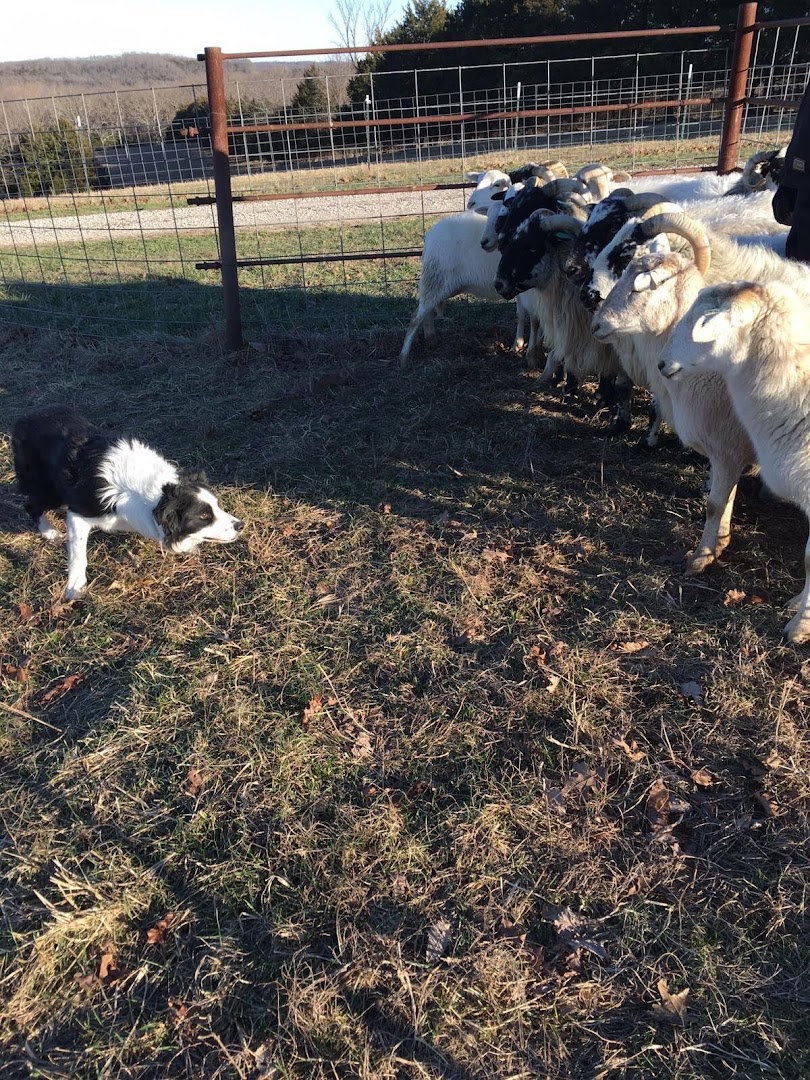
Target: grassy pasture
[[445, 770]]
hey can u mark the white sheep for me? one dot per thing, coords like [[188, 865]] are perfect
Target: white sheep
[[454, 263], [603, 248], [640, 312], [642, 309], [757, 336]]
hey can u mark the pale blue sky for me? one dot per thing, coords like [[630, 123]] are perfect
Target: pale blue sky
[[184, 27]]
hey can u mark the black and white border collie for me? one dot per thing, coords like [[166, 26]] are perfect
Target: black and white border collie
[[110, 483]]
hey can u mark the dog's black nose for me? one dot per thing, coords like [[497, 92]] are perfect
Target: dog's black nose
[[238, 525]]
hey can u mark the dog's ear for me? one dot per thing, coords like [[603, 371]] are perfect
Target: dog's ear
[[194, 476], [167, 511]]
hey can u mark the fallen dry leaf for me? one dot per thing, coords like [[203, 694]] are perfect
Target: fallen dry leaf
[[554, 797], [361, 748], [564, 919], [692, 690], [773, 760], [673, 1006], [195, 781], [492, 555], [631, 749], [18, 671], [61, 688], [439, 938], [553, 681], [657, 805], [734, 596], [62, 607], [768, 806], [582, 778], [315, 706], [703, 778], [108, 969], [535, 657], [26, 612], [179, 1010], [627, 648], [156, 933]]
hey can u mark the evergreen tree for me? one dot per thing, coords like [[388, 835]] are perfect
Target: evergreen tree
[[310, 98]]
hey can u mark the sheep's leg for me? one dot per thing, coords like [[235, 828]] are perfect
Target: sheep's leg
[[423, 314], [557, 374], [429, 327], [571, 385], [553, 365], [520, 330], [650, 440], [719, 508], [624, 402], [798, 629], [533, 348], [606, 391]]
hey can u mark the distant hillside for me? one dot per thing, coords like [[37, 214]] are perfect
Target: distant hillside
[[135, 71]]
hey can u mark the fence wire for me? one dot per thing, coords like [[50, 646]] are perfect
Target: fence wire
[[104, 211]]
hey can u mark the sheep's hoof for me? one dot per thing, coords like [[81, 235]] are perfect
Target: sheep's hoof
[[700, 561], [646, 446], [795, 602], [621, 426], [798, 629]]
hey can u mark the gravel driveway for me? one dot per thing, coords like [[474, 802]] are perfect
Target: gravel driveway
[[332, 211]]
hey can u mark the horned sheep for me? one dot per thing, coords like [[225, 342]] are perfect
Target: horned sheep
[[757, 336]]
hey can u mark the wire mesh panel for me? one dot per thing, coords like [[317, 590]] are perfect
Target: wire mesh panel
[[106, 200]]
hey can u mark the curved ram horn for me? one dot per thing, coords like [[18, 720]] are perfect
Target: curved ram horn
[[621, 177], [597, 178], [688, 228], [544, 174], [641, 200], [557, 189], [559, 223], [556, 167]]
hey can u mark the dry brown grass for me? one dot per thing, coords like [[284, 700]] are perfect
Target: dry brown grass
[[370, 756]]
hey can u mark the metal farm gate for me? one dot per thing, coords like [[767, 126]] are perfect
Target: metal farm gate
[[734, 102], [116, 207]]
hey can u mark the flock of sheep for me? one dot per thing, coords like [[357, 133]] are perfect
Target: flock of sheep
[[678, 285]]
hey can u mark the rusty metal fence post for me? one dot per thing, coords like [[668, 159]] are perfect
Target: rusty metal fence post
[[737, 84], [215, 77]]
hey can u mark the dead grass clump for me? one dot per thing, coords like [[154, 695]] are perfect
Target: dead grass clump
[[446, 770]]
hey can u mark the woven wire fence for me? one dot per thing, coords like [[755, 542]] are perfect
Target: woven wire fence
[[105, 207]]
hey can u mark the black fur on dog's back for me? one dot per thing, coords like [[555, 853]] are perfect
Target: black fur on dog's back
[[57, 453]]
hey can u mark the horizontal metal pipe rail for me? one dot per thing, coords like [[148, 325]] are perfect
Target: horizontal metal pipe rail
[[336, 256], [481, 43], [460, 118], [733, 102]]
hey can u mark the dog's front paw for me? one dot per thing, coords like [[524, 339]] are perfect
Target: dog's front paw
[[74, 590], [48, 531]]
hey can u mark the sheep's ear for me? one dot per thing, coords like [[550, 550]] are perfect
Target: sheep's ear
[[651, 279], [474, 176], [730, 314], [659, 245], [642, 282], [712, 325]]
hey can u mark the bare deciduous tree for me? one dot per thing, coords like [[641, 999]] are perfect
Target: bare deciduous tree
[[350, 17]]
